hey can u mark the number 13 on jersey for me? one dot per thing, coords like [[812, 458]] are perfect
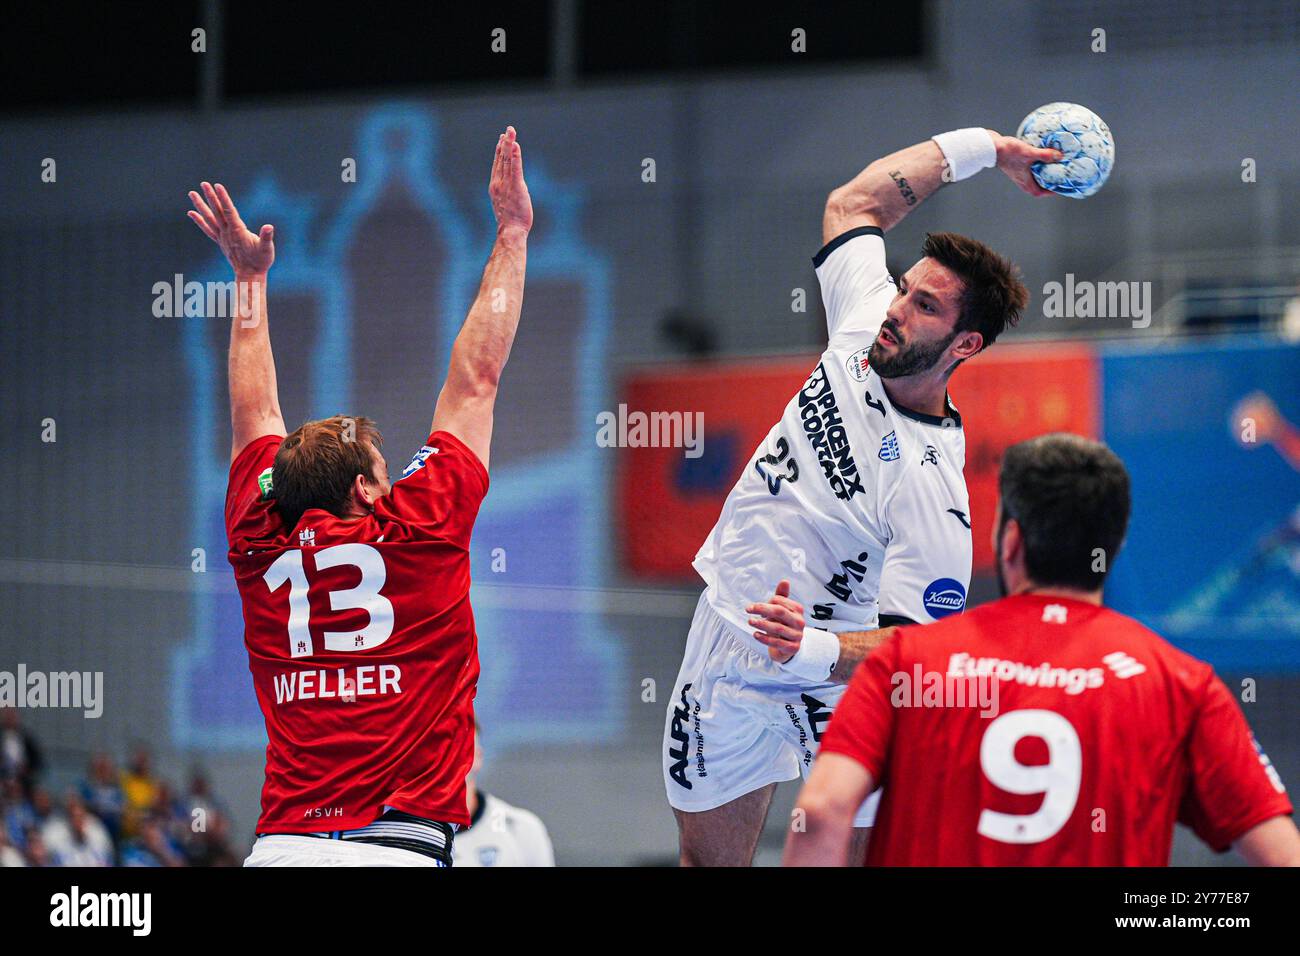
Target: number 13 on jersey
[[365, 596]]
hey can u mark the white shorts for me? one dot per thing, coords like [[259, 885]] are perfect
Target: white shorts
[[737, 721], [283, 849]]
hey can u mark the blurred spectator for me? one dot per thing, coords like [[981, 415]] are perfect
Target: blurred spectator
[[9, 855], [102, 793], [77, 838], [44, 819], [140, 788], [18, 815], [37, 855], [152, 847], [171, 814], [42, 805], [20, 758], [207, 836], [214, 845], [200, 797], [132, 819]]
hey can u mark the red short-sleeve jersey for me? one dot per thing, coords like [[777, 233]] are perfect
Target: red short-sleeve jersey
[[361, 642], [1039, 731]]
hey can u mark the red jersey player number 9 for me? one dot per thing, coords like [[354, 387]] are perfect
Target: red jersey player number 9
[[1058, 780]]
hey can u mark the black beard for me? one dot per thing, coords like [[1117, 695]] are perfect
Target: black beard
[[909, 360]]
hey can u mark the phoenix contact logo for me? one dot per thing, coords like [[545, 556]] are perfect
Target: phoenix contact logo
[[825, 430]]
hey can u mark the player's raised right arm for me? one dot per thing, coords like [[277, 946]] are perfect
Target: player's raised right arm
[[468, 397], [891, 187], [254, 394]]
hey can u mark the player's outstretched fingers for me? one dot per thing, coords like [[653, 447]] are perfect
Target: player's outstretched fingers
[[199, 221], [205, 211], [228, 209], [214, 205], [497, 160]]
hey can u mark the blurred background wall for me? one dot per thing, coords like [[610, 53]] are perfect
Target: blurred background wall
[[632, 277]]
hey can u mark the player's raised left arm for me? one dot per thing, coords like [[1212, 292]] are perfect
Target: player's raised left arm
[[822, 823], [254, 395], [891, 187], [468, 397]]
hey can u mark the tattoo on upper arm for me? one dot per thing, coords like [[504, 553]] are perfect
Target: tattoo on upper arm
[[909, 196]]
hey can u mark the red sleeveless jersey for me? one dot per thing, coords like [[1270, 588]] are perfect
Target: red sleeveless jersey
[[1039, 731], [361, 642]]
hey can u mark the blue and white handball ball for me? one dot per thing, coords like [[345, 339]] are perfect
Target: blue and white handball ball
[[1082, 136]]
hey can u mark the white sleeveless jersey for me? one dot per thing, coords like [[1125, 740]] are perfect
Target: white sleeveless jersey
[[859, 503]]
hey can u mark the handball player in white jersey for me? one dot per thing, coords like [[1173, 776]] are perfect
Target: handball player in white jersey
[[854, 507]]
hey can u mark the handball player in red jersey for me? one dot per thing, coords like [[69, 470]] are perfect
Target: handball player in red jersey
[[1042, 729], [355, 590]]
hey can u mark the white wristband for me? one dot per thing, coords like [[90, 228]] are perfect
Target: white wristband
[[815, 660], [967, 151]]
